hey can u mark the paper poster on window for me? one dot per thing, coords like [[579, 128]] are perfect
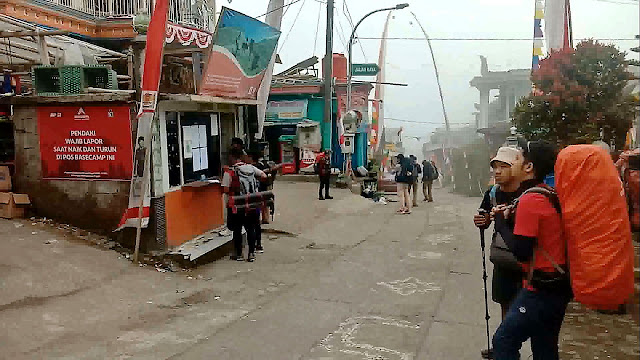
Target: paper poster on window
[[202, 132], [214, 124], [188, 141]]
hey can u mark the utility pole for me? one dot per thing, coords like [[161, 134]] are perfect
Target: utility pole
[[327, 70]]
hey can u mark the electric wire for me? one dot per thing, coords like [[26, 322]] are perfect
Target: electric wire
[[350, 19], [280, 7], [630, 2], [486, 39], [315, 38], [292, 25], [341, 35], [423, 122]]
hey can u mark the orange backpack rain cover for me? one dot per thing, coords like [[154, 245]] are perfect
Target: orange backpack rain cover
[[596, 225]]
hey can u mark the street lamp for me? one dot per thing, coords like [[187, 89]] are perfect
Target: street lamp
[[353, 33]]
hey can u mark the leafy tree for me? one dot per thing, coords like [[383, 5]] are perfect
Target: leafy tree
[[578, 97]]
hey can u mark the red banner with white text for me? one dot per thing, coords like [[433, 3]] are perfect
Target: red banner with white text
[[85, 142]]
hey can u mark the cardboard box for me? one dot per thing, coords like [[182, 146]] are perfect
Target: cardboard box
[[5, 179], [13, 205]]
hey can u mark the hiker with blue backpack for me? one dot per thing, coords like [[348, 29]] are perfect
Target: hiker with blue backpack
[[241, 184], [404, 178]]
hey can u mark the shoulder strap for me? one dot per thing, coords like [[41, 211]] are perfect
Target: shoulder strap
[[492, 195], [549, 193], [552, 196]]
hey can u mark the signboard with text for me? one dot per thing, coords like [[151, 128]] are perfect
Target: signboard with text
[[286, 111], [241, 51], [85, 142], [371, 69]]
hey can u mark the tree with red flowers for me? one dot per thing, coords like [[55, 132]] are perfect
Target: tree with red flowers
[[578, 97]]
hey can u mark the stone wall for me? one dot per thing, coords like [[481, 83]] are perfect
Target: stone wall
[[91, 205]]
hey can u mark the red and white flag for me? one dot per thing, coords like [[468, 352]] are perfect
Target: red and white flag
[[137, 212]]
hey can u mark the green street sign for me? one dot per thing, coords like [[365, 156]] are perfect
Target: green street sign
[[364, 69]]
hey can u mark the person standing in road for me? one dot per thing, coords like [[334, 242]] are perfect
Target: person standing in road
[[323, 168], [539, 242], [270, 170], [506, 281], [428, 175], [414, 179], [237, 218], [404, 172]]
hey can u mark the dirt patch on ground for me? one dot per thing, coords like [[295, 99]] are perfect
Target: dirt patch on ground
[[587, 334]]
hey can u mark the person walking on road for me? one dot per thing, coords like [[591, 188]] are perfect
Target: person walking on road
[[539, 242], [506, 281], [429, 174], [323, 168], [403, 179], [414, 179]]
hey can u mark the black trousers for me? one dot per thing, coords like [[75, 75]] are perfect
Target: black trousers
[[250, 221], [324, 183]]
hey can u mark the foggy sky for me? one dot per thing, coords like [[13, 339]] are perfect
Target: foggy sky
[[409, 61]]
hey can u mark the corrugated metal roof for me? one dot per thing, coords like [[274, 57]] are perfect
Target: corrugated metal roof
[[61, 49]]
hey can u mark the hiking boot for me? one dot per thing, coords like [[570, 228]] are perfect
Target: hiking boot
[[259, 249], [251, 257], [237, 257], [320, 198], [328, 197]]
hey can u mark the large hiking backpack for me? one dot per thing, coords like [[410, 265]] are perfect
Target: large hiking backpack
[[596, 226], [246, 181], [406, 172], [428, 172], [245, 191]]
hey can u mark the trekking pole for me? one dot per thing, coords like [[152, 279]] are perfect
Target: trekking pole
[[484, 278]]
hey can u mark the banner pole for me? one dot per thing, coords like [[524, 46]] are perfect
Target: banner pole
[[145, 184]]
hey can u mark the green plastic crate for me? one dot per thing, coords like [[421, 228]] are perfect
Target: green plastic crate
[[72, 80], [46, 80]]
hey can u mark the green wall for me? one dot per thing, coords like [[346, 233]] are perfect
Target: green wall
[[315, 112]]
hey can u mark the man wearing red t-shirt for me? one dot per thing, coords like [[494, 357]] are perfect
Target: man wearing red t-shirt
[[323, 163], [538, 241]]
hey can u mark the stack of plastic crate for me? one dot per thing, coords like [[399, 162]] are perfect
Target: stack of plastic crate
[[73, 79]]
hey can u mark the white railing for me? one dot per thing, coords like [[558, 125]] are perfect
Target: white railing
[[193, 13]]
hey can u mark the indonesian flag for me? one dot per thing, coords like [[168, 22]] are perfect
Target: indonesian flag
[[137, 213], [557, 25]]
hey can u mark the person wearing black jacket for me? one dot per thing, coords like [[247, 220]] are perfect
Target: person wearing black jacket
[[539, 243], [506, 282]]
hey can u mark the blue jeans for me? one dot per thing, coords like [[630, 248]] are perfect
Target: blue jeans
[[535, 315]]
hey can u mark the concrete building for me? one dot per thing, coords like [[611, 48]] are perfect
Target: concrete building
[[493, 117]]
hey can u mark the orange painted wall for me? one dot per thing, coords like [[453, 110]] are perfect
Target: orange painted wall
[[19, 9], [191, 212]]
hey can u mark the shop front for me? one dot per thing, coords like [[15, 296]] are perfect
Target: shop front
[[295, 140], [190, 148]]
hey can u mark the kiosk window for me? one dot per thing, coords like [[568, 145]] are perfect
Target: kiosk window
[[173, 149], [193, 142]]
